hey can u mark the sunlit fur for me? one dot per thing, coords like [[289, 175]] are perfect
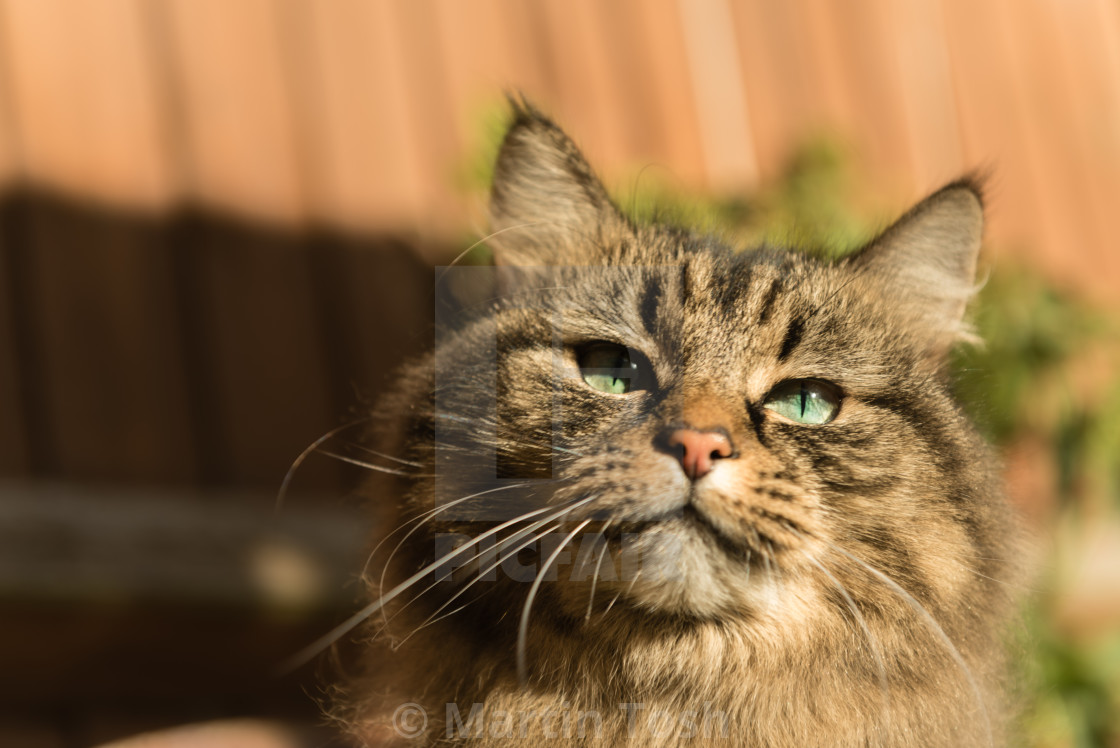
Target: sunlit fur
[[840, 584]]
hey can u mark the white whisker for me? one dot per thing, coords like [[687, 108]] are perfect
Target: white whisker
[[306, 654], [501, 546], [382, 455], [628, 590], [523, 629], [595, 578], [419, 522], [484, 239], [482, 573], [371, 466], [568, 451], [934, 627], [873, 646], [299, 460], [451, 417]]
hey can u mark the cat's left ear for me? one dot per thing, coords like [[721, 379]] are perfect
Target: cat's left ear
[[547, 207], [927, 259]]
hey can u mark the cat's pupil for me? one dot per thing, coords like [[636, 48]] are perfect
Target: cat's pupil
[[804, 401], [608, 367]]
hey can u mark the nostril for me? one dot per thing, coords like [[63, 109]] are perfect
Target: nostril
[[696, 450], [721, 446]]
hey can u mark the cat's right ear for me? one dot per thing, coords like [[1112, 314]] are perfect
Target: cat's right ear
[[547, 207], [927, 260]]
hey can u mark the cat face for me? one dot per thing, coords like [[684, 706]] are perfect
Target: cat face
[[644, 467], [744, 429]]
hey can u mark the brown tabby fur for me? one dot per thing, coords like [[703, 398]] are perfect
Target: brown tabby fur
[[825, 576]]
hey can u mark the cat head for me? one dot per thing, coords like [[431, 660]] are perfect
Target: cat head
[[753, 427]]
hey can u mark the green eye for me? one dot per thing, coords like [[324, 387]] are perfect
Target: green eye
[[805, 401], [609, 368]]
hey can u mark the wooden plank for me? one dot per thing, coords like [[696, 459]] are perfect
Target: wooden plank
[[112, 383], [106, 400], [478, 68], [868, 73], [251, 318], [1046, 92], [241, 144], [122, 125], [79, 543], [1080, 47], [626, 69], [720, 95], [665, 63], [524, 38], [777, 77], [41, 91], [388, 134], [840, 71], [476, 62], [364, 129], [15, 458], [266, 384], [585, 89], [128, 122], [1101, 24], [825, 90], [992, 111], [470, 55], [376, 299], [10, 161], [440, 140], [921, 55], [83, 99]]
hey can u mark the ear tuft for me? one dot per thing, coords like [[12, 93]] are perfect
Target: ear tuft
[[546, 204]]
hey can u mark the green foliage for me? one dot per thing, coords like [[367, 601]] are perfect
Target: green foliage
[[476, 171], [1023, 382], [1015, 380], [809, 207], [1071, 686]]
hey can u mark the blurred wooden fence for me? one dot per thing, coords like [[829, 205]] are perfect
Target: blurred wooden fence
[[214, 218], [144, 340]]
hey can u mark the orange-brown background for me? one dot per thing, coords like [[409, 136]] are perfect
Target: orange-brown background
[[214, 217], [352, 112], [356, 114]]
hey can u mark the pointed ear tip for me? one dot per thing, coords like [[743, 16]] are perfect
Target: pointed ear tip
[[521, 105], [528, 130], [967, 192], [525, 116], [525, 125]]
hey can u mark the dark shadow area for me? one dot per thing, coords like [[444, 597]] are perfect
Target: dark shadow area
[[158, 376]]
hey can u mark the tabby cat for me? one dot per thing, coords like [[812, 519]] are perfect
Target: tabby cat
[[660, 491]]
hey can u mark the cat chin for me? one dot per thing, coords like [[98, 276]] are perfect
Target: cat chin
[[674, 568], [768, 603]]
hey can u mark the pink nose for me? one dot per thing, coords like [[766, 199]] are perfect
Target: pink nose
[[698, 450]]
